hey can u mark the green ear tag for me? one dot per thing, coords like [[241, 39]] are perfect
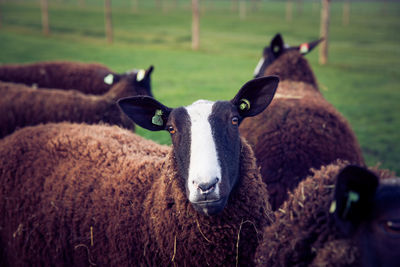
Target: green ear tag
[[352, 197], [157, 118], [109, 79], [244, 104]]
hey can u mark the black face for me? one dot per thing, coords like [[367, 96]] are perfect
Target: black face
[[138, 80], [179, 125], [206, 143], [379, 236], [224, 123], [368, 211], [205, 138]]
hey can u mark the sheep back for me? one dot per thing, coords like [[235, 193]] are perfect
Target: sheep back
[[300, 130], [21, 105], [85, 77], [72, 195]]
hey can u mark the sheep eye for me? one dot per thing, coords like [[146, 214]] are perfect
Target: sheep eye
[[171, 130], [235, 120], [392, 227]]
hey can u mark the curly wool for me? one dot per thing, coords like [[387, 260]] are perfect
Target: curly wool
[[304, 227], [21, 105], [299, 130], [85, 77], [82, 195]]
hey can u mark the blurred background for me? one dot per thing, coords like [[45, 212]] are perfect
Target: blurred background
[[361, 75]]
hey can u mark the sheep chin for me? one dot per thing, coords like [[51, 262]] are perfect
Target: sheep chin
[[210, 208]]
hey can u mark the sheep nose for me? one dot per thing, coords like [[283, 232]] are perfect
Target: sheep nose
[[207, 188]]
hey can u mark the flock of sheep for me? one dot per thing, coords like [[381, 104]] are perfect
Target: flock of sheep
[[273, 177]]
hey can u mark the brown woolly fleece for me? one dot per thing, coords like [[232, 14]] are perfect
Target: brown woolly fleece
[[299, 130], [304, 227], [21, 105], [79, 195], [292, 66], [84, 77]]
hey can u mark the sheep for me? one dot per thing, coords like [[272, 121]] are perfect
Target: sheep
[[75, 194], [286, 62], [89, 78], [300, 130], [343, 215], [21, 105]]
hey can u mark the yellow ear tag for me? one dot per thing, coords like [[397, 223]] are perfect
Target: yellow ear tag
[[140, 75], [157, 118], [332, 209], [244, 104], [109, 79]]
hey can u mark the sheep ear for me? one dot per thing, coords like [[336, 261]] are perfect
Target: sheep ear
[[308, 47], [143, 80], [355, 190], [255, 96], [146, 112], [112, 78], [277, 45]]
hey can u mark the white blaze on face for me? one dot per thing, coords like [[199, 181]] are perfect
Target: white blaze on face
[[258, 67], [204, 166]]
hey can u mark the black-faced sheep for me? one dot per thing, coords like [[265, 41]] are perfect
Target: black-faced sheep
[[343, 215], [300, 130], [21, 105], [84, 195], [286, 62], [89, 78]]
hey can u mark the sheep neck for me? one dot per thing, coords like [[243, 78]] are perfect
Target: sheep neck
[[184, 229]]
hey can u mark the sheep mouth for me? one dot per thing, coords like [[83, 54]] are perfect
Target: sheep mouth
[[211, 206]]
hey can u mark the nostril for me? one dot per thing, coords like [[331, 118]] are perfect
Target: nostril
[[206, 188]]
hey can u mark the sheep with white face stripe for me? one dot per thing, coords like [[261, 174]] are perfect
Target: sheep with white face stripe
[[206, 147], [101, 195]]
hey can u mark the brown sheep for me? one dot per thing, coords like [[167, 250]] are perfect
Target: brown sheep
[[331, 219], [285, 62], [89, 78], [79, 195], [300, 130], [21, 105]]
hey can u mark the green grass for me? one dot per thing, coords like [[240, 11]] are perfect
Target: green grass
[[362, 79]]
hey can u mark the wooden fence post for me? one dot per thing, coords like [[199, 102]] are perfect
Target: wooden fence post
[[45, 17], [242, 9], [195, 25], [108, 21], [234, 5], [289, 10], [346, 13], [135, 5], [324, 32]]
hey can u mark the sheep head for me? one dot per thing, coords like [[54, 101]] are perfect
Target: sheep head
[[368, 210], [276, 48], [205, 138]]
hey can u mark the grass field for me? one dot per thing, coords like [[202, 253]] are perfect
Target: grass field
[[362, 79]]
